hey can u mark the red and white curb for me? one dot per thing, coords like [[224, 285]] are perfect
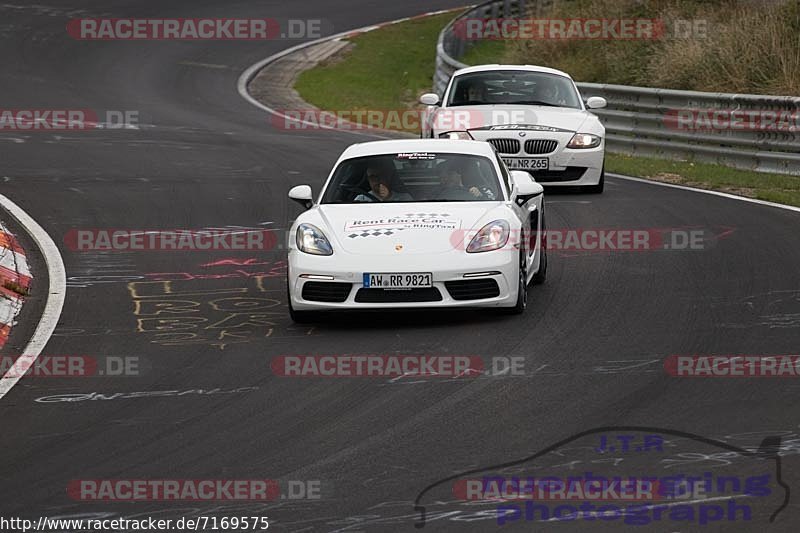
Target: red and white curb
[[15, 278], [56, 290]]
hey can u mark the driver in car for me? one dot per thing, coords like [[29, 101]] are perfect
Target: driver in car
[[452, 186], [547, 91], [381, 189]]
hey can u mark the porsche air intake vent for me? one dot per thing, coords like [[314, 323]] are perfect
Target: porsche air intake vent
[[473, 289], [326, 291]]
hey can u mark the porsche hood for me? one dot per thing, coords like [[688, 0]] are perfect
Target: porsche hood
[[417, 228]]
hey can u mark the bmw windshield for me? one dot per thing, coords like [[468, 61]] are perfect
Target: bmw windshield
[[513, 87]]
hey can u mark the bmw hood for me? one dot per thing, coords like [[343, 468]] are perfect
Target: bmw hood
[[553, 119], [408, 228]]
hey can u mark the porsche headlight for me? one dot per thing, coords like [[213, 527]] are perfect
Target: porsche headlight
[[456, 135], [311, 240], [584, 140], [492, 236]]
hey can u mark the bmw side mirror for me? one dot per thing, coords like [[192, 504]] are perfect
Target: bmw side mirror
[[429, 99], [302, 195], [596, 102]]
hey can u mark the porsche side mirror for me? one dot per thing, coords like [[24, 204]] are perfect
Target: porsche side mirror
[[429, 99], [525, 187], [302, 195], [596, 102]]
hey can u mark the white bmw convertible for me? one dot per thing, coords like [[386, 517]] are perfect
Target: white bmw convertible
[[415, 223], [534, 116]]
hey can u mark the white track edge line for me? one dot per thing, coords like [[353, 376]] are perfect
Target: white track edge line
[[247, 76], [706, 191], [55, 298]]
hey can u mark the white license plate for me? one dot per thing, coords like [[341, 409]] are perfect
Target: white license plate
[[398, 280], [527, 163]]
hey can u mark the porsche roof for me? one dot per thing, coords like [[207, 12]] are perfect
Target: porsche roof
[[419, 145], [527, 68]]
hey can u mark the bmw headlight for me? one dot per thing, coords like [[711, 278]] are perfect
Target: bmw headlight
[[456, 135], [311, 240], [492, 236], [584, 140]]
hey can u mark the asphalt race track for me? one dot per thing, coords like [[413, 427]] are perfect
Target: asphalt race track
[[593, 339]]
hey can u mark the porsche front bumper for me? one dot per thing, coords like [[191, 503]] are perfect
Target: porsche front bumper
[[487, 279]]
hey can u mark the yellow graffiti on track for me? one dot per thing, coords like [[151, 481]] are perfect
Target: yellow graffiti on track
[[177, 313]]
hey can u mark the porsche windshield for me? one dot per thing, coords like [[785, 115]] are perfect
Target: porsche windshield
[[517, 87], [414, 177]]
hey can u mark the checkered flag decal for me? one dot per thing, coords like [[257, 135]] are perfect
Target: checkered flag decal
[[376, 233]]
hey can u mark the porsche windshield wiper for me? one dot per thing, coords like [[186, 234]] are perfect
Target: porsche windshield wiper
[[471, 102]]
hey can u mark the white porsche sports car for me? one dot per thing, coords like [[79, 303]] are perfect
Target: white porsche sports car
[[415, 223], [534, 116]]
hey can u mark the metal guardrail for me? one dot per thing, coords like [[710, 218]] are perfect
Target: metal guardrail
[[642, 121]]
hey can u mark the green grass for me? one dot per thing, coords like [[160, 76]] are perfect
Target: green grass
[[771, 187], [389, 68], [741, 49], [482, 52]]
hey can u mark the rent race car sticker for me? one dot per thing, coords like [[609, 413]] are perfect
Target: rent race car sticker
[[387, 226]]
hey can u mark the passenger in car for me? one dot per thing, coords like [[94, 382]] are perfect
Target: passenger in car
[[381, 189], [476, 92], [452, 178]]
